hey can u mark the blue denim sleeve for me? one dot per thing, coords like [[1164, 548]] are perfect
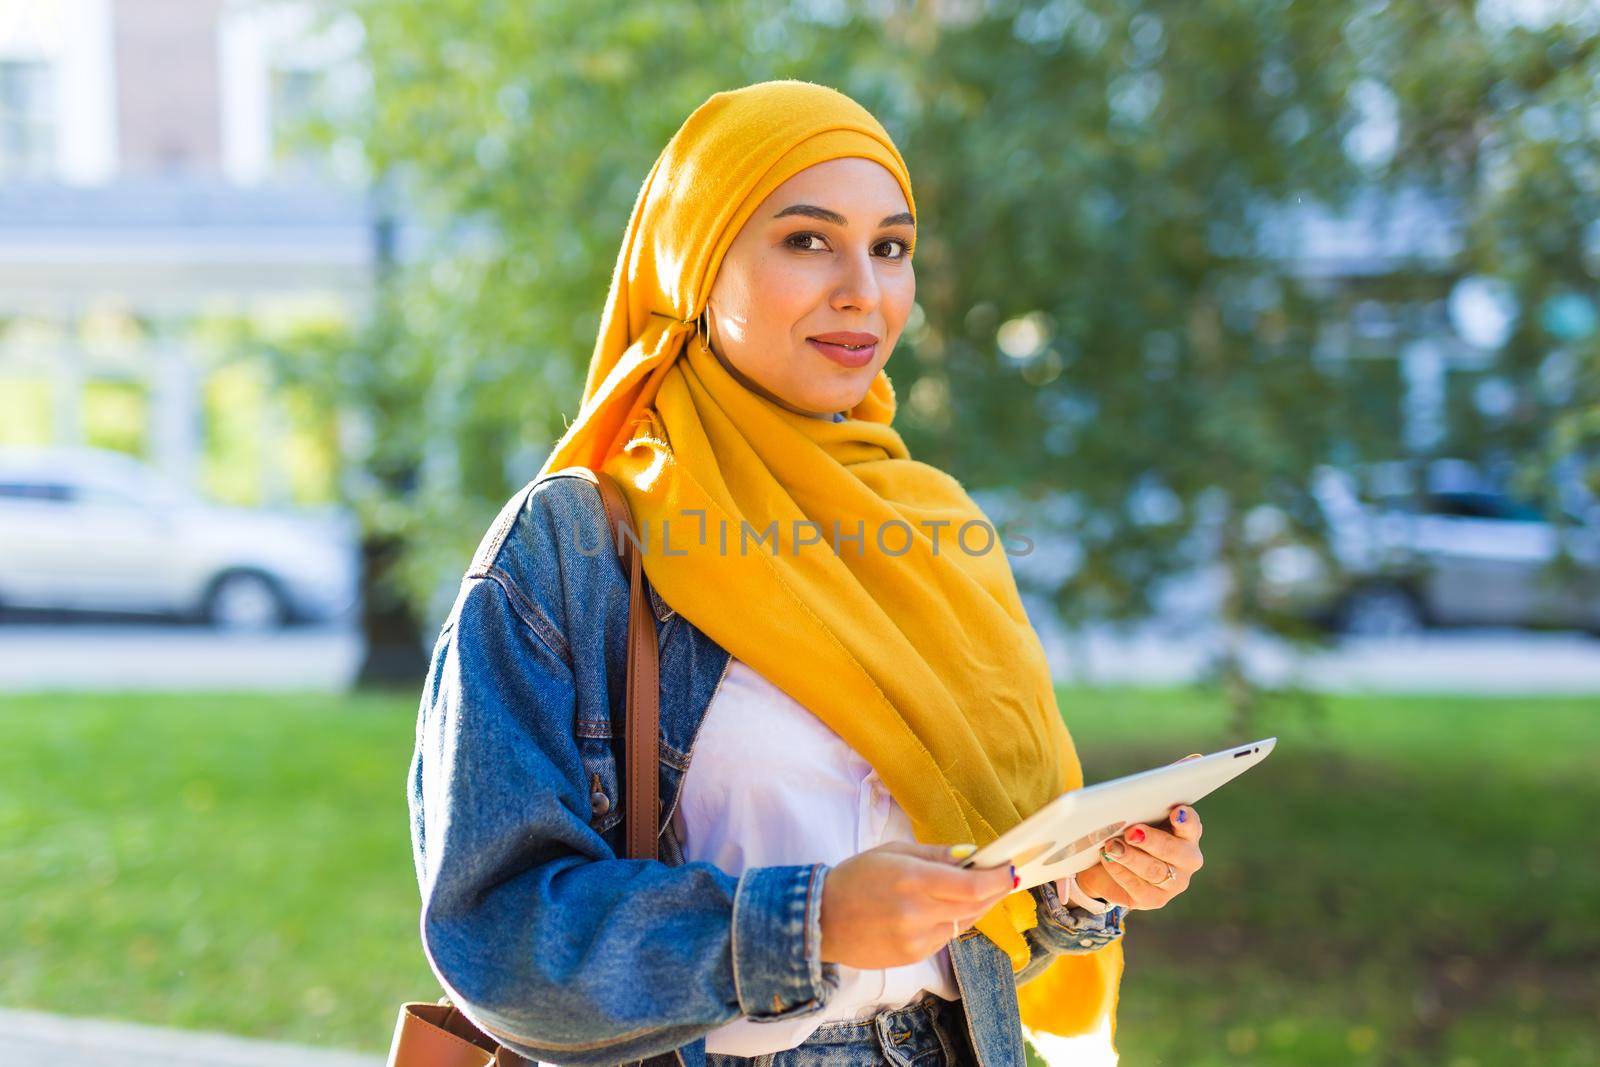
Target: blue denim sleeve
[[540, 934], [1065, 928]]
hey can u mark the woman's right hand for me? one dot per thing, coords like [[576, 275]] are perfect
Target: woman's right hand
[[892, 905]]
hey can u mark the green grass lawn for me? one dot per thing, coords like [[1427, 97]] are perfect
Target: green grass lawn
[[1405, 881]]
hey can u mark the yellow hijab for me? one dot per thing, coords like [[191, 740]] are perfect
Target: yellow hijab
[[910, 644]]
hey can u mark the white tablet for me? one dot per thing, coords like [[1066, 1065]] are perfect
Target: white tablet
[[1062, 837]]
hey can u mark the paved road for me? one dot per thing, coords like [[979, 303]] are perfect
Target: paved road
[[37, 1039], [125, 656], [1484, 662], [156, 656]]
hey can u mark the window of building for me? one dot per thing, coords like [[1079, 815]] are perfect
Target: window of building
[[27, 405], [27, 119], [297, 108], [116, 415]]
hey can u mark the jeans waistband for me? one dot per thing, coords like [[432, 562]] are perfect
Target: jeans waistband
[[929, 1030], [909, 1027]]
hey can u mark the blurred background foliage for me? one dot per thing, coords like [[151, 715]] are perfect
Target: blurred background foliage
[[1115, 331], [1126, 340]]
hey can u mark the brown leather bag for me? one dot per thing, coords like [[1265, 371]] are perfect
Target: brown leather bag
[[438, 1035]]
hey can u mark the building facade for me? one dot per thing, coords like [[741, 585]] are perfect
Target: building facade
[[156, 191]]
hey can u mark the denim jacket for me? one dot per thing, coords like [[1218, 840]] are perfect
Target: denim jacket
[[533, 923]]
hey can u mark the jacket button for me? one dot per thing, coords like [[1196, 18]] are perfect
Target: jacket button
[[599, 802]]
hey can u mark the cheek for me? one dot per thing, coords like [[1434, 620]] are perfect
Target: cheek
[[898, 297], [784, 293], [898, 301]]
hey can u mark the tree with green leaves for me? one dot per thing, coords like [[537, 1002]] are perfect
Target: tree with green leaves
[[1113, 332]]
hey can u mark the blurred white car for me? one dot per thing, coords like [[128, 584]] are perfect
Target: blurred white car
[[92, 530], [1462, 555]]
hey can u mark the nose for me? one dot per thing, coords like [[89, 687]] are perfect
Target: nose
[[857, 289]]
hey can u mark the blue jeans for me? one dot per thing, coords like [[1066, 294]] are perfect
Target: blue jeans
[[931, 1032]]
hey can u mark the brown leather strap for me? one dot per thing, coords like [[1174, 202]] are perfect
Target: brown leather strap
[[641, 769], [438, 1035], [431, 1035]]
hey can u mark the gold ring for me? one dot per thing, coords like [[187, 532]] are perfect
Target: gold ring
[[1171, 874]]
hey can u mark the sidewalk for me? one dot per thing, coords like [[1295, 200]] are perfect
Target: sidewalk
[[1480, 662], [38, 1039], [172, 658], [1172, 651]]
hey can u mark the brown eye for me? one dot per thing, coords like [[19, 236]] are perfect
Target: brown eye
[[905, 249], [803, 237]]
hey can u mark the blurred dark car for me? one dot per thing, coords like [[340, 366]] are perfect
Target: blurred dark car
[[85, 529], [1439, 558]]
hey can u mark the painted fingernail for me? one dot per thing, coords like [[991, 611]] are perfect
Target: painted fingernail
[[1183, 815], [1014, 879], [961, 852], [1114, 848], [1135, 835]]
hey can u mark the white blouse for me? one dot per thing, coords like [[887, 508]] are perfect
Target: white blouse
[[771, 784]]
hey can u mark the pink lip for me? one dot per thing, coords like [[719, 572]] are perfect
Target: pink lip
[[847, 337], [832, 344]]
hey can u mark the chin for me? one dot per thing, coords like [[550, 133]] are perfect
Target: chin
[[838, 402], [849, 388]]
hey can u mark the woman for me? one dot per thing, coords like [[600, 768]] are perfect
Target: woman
[[843, 655]]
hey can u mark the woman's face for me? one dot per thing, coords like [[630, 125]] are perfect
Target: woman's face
[[826, 257]]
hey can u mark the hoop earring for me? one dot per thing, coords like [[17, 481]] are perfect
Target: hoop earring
[[703, 324]]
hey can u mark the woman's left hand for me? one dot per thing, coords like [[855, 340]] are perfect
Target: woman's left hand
[[1133, 867]]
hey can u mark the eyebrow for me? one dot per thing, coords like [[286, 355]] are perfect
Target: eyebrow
[[813, 211]]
